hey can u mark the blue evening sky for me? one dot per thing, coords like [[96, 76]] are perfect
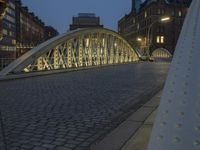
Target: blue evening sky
[[59, 13]]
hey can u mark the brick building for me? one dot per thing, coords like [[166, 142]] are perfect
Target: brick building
[[29, 29], [50, 32], [85, 20], [20, 30], [8, 32], [144, 17], [3, 5]]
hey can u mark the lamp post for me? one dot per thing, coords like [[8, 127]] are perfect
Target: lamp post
[[163, 19]]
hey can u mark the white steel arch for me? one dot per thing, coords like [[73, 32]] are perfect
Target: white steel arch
[[161, 53], [177, 125], [79, 48]]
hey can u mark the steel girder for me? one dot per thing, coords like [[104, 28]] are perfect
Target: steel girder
[[161, 53], [80, 48]]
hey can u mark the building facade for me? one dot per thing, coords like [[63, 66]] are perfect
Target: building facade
[[50, 32], [85, 20], [30, 29], [8, 32], [3, 5], [20, 31], [142, 28]]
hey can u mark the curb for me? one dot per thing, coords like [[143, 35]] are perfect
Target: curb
[[121, 135], [45, 73]]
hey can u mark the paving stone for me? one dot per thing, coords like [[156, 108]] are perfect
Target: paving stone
[[62, 148], [39, 148], [75, 106], [48, 145]]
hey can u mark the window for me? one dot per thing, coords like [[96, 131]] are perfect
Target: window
[[10, 33], [10, 11], [138, 26], [134, 20], [9, 18], [179, 13], [12, 5], [161, 29], [159, 11], [145, 14], [160, 39], [13, 42], [5, 32]]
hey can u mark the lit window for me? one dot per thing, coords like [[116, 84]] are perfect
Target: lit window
[[158, 39], [179, 13], [87, 42], [145, 14], [14, 42], [11, 33], [5, 32], [162, 38]]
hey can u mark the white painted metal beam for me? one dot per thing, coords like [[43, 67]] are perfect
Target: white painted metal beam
[[177, 126]]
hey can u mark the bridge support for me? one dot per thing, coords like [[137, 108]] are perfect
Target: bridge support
[[177, 125], [80, 48]]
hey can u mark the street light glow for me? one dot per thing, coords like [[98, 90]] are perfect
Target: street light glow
[[165, 19], [139, 39]]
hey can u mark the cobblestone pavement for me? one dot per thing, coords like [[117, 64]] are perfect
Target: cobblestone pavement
[[72, 110]]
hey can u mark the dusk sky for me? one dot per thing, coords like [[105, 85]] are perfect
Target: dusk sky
[[59, 13]]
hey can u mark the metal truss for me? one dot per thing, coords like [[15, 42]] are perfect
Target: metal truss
[[86, 50], [82, 48], [161, 53]]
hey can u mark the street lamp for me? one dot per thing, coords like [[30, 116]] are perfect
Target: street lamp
[[163, 19], [139, 39]]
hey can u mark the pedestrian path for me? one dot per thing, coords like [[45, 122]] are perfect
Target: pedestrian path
[[134, 133]]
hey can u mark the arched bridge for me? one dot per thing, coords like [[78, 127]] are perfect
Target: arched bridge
[[161, 53], [79, 48]]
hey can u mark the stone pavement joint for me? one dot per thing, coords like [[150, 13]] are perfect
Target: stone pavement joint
[[132, 134]]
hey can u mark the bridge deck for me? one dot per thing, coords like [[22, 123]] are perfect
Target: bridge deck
[[73, 110]]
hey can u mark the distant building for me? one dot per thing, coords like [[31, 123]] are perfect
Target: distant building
[[8, 32], [137, 23], [50, 32], [20, 30], [136, 5], [85, 20], [3, 5], [29, 29]]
